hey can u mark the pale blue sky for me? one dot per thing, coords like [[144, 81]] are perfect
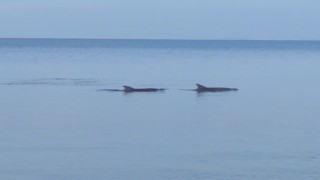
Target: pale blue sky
[[161, 19]]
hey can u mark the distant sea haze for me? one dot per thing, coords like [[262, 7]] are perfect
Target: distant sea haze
[[55, 124]]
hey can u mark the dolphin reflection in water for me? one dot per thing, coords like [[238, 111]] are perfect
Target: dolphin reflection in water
[[202, 88], [128, 89]]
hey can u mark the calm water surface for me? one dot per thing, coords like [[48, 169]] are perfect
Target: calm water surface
[[55, 125]]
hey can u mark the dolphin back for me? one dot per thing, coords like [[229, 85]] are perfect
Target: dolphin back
[[199, 86], [128, 88]]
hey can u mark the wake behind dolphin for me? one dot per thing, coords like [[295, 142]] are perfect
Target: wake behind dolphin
[[129, 89]]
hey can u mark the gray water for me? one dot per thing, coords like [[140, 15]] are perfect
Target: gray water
[[55, 125]]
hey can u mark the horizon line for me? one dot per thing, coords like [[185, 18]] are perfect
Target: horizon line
[[156, 39]]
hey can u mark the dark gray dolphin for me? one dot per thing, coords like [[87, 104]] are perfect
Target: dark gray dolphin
[[131, 89], [128, 89], [201, 88]]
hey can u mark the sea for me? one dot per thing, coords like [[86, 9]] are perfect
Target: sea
[[56, 125]]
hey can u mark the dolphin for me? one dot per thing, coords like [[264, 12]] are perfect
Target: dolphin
[[129, 89], [202, 88]]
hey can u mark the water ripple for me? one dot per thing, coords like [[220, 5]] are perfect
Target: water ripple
[[55, 82]]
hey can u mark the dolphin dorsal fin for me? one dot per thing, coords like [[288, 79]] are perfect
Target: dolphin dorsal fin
[[128, 88], [200, 86]]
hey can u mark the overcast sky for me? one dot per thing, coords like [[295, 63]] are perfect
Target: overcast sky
[[161, 19]]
